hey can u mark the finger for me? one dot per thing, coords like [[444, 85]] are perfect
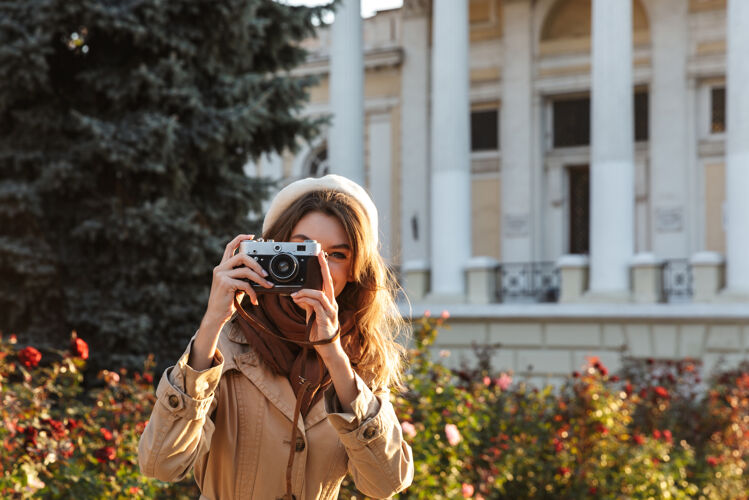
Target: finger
[[243, 260], [241, 286], [243, 272], [308, 308], [233, 244], [316, 297], [316, 306], [327, 279]]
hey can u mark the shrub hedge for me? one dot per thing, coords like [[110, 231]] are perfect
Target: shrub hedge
[[655, 430]]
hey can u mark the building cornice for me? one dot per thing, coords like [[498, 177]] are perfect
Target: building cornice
[[634, 313], [375, 58]]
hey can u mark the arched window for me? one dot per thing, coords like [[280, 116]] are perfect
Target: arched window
[[317, 164]]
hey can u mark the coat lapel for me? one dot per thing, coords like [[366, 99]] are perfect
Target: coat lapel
[[275, 388]]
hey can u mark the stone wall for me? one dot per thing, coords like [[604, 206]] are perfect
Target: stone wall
[[545, 343]]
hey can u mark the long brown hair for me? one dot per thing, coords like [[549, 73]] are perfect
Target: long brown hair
[[371, 292]]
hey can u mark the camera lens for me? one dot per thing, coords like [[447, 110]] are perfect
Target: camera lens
[[283, 267]]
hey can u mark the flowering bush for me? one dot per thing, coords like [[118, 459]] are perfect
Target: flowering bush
[[655, 430], [652, 431], [61, 441]]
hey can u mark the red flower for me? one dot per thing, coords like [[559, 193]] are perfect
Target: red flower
[[106, 433], [79, 347], [656, 434], [105, 454], [713, 461], [667, 436], [30, 356], [57, 427], [67, 449], [31, 433], [558, 445], [564, 471], [148, 378], [638, 439], [72, 424], [592, 490], [661, 391]]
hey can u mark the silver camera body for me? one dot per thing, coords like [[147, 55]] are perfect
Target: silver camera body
[[291, 266]]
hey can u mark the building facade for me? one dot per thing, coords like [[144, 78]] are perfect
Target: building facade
[[565, 177]]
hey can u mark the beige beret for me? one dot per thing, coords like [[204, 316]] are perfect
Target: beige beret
[[331, 182]]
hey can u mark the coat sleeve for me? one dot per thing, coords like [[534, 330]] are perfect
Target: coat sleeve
[[380, 460], [179, 430]]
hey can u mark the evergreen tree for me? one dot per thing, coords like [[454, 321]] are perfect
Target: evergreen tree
[[124, 129]]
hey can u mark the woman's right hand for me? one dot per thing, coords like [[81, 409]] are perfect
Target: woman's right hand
[[227, 281]]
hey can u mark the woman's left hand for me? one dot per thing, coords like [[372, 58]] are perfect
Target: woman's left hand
[[323, 304]]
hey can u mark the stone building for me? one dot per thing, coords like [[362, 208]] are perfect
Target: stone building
[[565, 177]]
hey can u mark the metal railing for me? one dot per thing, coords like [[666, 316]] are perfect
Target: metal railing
[[527, 282], [677, 280]]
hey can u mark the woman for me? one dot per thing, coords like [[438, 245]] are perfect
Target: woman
[[277, 400]]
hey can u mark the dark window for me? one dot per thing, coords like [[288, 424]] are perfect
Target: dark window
[[718, 110], [485, 130], [579, 178], [572, 120], [642, 129]]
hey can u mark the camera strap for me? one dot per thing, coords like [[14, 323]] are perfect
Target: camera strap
[[306, 385]]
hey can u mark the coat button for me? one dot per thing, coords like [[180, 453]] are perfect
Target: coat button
[[300, 444], [173, 401], [369, 432]]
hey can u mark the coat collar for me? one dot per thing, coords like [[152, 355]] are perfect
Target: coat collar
[[276, 388]]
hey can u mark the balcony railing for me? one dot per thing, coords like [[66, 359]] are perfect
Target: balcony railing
[[677, 280], [527, 282]]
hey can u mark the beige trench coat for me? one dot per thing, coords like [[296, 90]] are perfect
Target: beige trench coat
[[231, 424]]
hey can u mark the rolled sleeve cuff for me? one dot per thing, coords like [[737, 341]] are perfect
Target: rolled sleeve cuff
[[365, 407], [187, 392]]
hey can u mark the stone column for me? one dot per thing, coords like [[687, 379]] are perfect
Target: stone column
[[381, 177], [612, 151], [415, 134], [346, 139], [669, 133], [515, 132], [737, 150], [451, 174]]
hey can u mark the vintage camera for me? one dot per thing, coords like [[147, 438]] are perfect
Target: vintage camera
[[291, 266]]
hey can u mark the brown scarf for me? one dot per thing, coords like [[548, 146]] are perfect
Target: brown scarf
[[277, 329]]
